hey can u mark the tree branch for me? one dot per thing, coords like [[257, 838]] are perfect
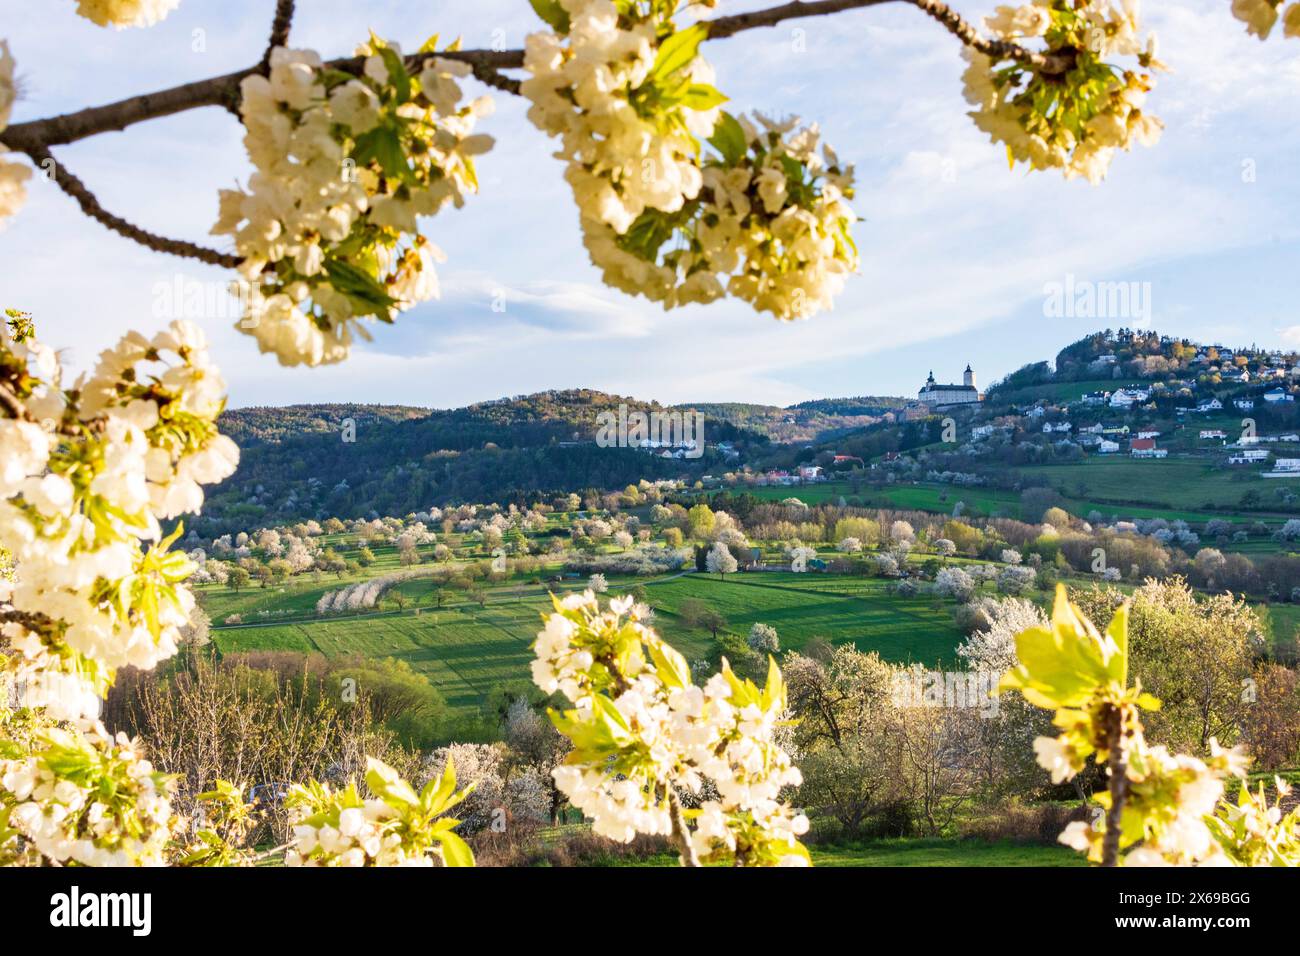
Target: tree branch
[[75, 188], [997, 49], [723, 27], [34, 621], [224, 90], [681, 835], [35, 137], [1117, 784], [279, 32]]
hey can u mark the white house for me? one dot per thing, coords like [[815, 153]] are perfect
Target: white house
[[1208, 433], [1107, 447], [1210, 405], [1245, 404], [1249, 456], [1148, 433], [1278, 395], [1127, 397]]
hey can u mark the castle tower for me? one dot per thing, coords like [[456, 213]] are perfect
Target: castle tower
[[969, 378]]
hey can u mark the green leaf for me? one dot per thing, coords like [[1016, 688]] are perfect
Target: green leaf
[[1117, 631], [729, 139], [648, 232], [361, 287], [397, 74], [384, 146], [670, 665], [678, 50], [701, 96], [387, 784], [553, 14], [455, 851]]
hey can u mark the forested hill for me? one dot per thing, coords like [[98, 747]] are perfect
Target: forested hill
[[814, 421], [258, 424], [296, 464]]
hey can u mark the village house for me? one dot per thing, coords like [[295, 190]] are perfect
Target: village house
[[1249, 456], [1284, 468], [1128, 397], [1146, 448]]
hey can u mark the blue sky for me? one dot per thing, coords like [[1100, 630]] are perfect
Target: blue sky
[[956, 249]]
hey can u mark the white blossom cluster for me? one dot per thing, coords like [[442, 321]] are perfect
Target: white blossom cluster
[[394, 827], [1074, 120], [13, 176], [354, 835], [121, 14], [595, 88], [1255, 832], [86, 476], [1177, 794], [644, 734], [82, 796], [768, 223], [776, 221], [1260, 16], [771, 227], [327, 227]]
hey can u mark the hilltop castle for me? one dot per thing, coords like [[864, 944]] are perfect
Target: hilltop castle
[[940, 395]]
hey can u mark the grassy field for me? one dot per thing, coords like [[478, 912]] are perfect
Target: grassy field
[[466, 650], [1187, 489], [1180, 485], [936, 851]]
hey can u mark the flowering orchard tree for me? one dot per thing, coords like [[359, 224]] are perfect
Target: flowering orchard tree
[[1161, 809], [681, 201]]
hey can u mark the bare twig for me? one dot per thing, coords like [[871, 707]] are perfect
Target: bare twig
[[723, 27], [75, 188], [217, 91], [997, 49], [279, 32]]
